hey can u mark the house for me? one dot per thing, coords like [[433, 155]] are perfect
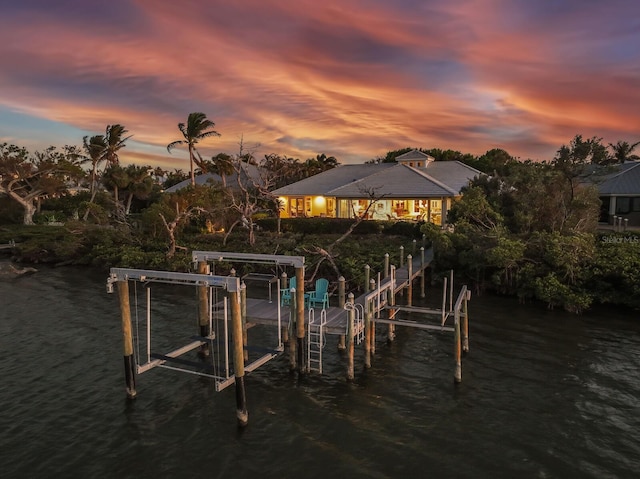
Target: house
[[252, 173], [415, 187], [619, 190]]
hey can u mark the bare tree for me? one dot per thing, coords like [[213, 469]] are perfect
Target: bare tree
[[250, 193], [173, 225], [327, 254]]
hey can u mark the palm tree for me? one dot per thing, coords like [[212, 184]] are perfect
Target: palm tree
[[223, 166], [622, 151], [115, 140], [197, 128], [95, 148]]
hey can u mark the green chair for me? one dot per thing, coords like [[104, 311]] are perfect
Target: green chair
[[320, 296]]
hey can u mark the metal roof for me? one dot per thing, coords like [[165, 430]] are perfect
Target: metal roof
[[331, 179], [624, 181], [391, 180]]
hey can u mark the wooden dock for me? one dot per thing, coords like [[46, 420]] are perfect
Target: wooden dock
[[265, 312], [223, 325]]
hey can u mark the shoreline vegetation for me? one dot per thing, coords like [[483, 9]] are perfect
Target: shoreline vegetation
[[527, 229], [573, 272]]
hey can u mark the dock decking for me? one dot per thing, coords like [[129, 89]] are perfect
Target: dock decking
[[265, 312]]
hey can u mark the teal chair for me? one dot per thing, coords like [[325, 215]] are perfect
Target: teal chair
[[285, 294], [320, 296]]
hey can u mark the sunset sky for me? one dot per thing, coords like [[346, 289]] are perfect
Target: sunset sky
[[348, 78]]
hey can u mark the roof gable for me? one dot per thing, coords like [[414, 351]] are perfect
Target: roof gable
[[413, 156]]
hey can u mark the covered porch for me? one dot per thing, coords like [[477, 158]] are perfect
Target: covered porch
[[432, 210]]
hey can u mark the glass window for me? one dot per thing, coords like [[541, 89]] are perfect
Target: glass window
[[636, 204], [623, 204]]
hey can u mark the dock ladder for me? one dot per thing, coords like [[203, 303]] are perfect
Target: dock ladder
[[316, 341]]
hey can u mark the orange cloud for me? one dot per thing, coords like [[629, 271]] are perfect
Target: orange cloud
[[307, 77]]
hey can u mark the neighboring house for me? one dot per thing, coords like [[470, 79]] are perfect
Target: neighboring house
[[252, 171], [619, 188], [413, 188]]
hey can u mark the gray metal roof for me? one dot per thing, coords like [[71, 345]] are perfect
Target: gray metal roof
[[454, 174], [323, 183], [624, 181], [391, 180], [398, 182]]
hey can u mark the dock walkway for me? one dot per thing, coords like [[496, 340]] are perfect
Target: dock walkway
[[265, 312]]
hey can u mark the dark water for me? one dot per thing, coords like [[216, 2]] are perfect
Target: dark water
[[544, 394]]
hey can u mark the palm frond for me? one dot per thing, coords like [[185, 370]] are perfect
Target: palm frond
[[173, 144]]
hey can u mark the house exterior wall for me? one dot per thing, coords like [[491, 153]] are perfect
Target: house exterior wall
[[432, 210], [627, 207]]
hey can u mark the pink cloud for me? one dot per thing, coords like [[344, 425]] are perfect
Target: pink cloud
[[352, 78]]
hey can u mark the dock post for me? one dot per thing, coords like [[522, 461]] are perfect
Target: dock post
[[391, 335], [413, 247], [293, 328], [372, 341], [367, 335], [401, 265], [238, 360], [341, 297], [465, 324], [127, 336], [350, 339], [243, 314], [300, 317], [285, 328], [422, 273], [203, 310], [456, 350], [367, 275], [386, 265], [410, 281]]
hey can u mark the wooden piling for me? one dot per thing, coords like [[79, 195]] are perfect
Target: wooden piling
[[410, 282], [127, 336], [367, 275], [457, 377], [391, 334], [367, 334], [243, 314], [285, 327], [465, 325], [350, 340], [413, 247], [300, 307], [386, 265], [238, 360], [422, 273], [372, 338], [293, 344], [401, 265], [203, 310], [341, 299]]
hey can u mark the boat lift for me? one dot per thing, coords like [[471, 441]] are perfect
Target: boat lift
[[219, 367]]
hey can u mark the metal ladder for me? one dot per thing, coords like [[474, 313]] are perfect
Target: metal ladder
[[316, 341], [359, 324]]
